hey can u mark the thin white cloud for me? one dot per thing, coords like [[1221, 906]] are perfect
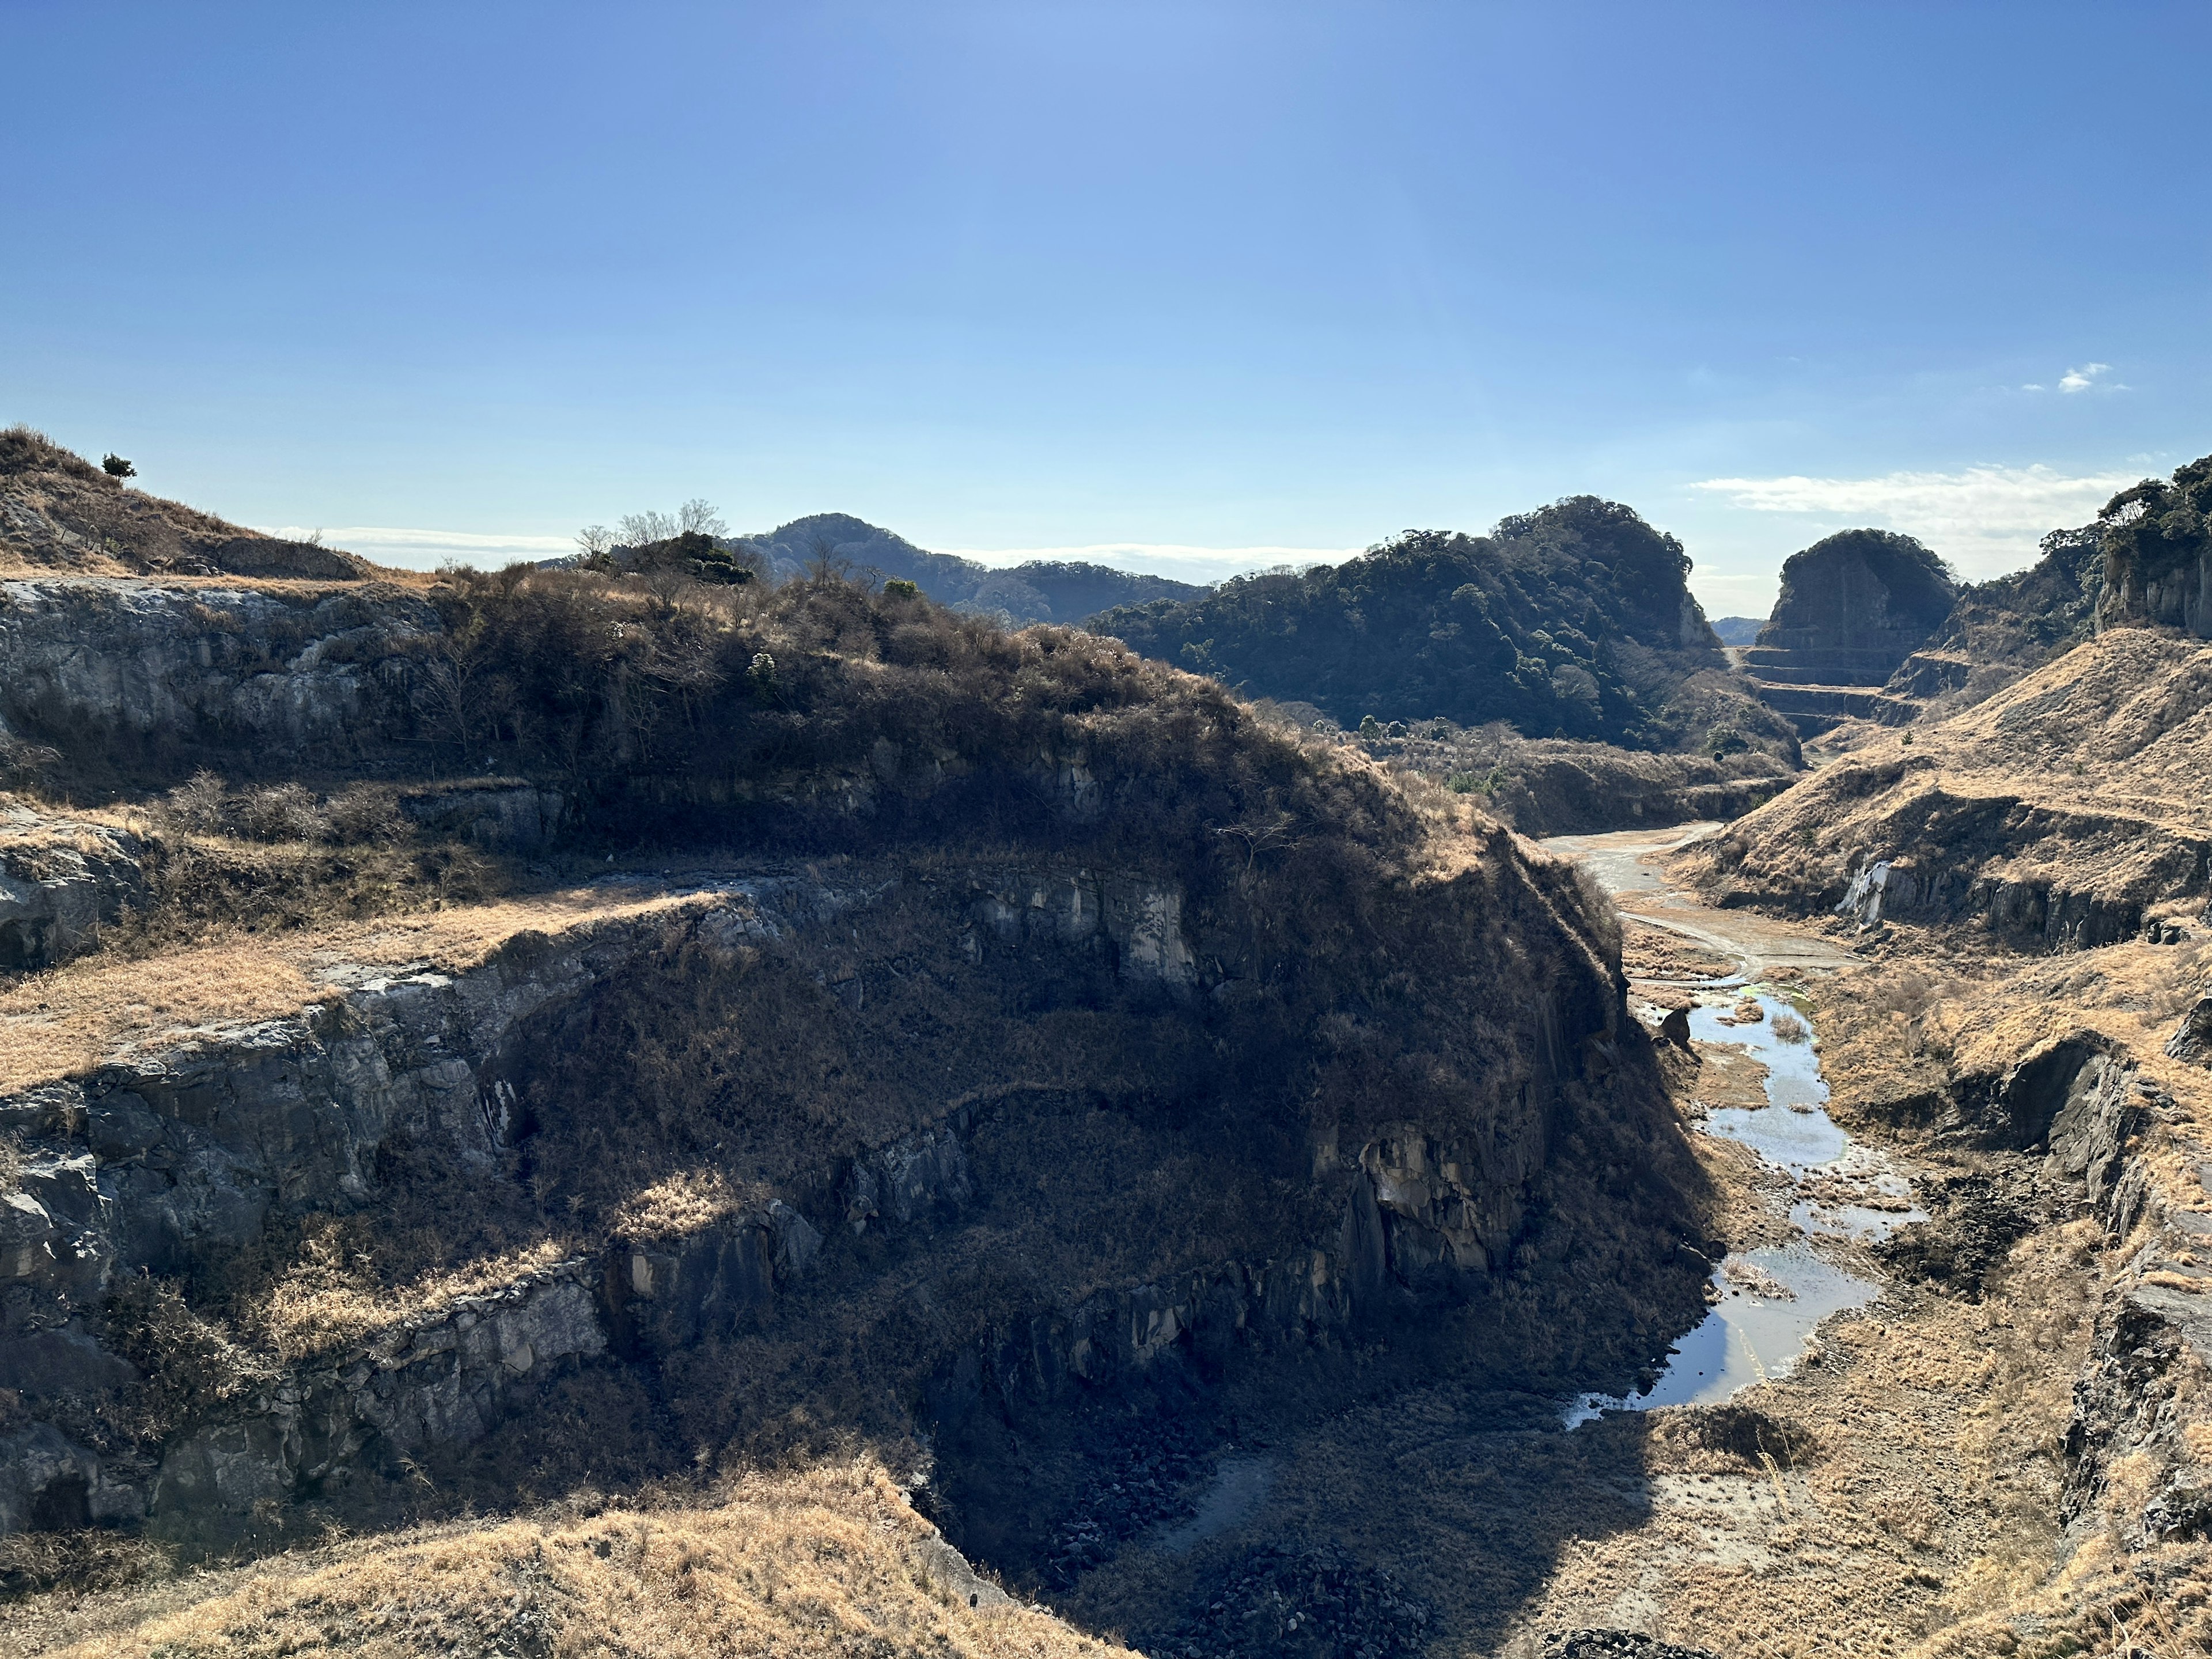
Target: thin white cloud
[[2081, 379], [426, 550], [1984, 519], [1185, 563]]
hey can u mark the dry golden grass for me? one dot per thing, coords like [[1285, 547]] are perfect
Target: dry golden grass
[[689, 1202], [325, 1301], [68, 1019], [830, 1561]]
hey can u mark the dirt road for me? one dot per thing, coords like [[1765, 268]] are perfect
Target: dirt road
[[1629, 865]]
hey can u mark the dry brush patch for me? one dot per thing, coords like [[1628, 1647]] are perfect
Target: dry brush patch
[[70, 1018], [831, 1560]]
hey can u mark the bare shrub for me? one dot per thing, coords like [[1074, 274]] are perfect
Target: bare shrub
[[79, 1562], [1787, 1028], [197, 805], [284, 812], [190, 1361], [364, 814]]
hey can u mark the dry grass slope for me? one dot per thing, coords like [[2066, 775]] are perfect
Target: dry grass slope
[[830, 1561], [2083, 781], [65, 1021]]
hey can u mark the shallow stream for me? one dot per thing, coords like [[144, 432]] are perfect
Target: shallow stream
[[1766, 1302]]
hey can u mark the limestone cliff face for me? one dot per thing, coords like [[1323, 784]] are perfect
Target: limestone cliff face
[[1062, 1035], [175, 1162], [2158, 554], [60, 880], [135, 665], [1852, 607]]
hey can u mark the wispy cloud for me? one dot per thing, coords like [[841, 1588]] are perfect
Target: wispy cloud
[[1984, 519], [1185, 563], [426, 550], [2089, 377]]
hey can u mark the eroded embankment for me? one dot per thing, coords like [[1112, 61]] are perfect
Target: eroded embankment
[[1013, 1160], [2065, 812]]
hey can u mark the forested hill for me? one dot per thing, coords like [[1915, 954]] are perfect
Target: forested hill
[[1574, 620], [1040, 591]]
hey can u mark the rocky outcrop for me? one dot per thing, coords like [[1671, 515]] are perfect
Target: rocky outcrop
[[2058, 813], [421, 1388], [504, 814], [1138, 922], [131, 666], [157, 1163], [2158, 554], [2193, 1039], [60, 881], [1852, 608], [2051, 914]]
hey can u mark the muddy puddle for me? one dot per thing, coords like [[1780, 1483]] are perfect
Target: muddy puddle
[[1765, 1303]]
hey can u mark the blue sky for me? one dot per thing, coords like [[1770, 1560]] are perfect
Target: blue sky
[[1206, 285]]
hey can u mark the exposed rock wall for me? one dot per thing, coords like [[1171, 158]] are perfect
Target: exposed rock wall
[[60, 882], [161, 1162], [2158, 554], [2058, 813], [169, 1163], [134, 666], [1852, 608]]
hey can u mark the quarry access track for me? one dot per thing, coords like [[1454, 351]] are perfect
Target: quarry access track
[[1628, 865]]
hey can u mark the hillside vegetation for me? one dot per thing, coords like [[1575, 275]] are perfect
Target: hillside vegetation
[[1573, 622], [830, 1562], [58, 513], [1999, 630]]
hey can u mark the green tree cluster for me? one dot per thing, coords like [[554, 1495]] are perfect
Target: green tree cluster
[[1574, 621]]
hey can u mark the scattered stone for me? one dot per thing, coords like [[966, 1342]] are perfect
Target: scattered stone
[[1618, 1644]]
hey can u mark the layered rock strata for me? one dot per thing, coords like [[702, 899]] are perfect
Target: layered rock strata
[[1852, 608]]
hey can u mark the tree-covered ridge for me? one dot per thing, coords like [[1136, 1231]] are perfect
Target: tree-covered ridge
[[1574, 620]]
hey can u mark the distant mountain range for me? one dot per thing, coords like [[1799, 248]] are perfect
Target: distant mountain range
[[1738, 630], [1042, 590]]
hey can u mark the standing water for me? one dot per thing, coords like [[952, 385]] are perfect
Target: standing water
[[1766, 1302]]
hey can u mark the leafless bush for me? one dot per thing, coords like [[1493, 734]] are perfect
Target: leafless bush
[[284, 812], [1787, 1028], [190, 1361], [362, 815], [1910, 993], [31, 1562], [197, 805]]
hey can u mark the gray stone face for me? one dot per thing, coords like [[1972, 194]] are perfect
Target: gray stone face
[[517, 818], [60, 882], [1139, 922], [49, 1483], [93, 658]]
